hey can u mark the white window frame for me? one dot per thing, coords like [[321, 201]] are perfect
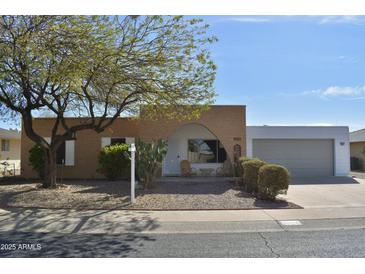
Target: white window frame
[[69, 151], [216, 150], [106, 141]]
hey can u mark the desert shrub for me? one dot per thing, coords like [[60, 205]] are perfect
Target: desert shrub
[[114, 161], [272, 180], [239, 165], [149, 157], [37, 159], [250, 174], [237, 169]]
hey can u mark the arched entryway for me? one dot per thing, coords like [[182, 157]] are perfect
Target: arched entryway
[[197, 144]]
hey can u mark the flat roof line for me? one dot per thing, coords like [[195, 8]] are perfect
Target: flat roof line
[[357, 130]]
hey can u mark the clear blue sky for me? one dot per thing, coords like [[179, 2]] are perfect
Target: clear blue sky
[[291, 70]]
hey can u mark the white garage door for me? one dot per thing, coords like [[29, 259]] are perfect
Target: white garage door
[[303, 158]]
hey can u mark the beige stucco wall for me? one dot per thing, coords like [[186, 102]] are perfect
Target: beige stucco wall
[[12, 156], [87, 146], [356, 150], [225, 122]]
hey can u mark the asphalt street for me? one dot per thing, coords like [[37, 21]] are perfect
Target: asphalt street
[[313, 239]]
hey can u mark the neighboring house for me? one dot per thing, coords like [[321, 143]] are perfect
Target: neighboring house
[[357, 148], [10, 149], [219, 135]]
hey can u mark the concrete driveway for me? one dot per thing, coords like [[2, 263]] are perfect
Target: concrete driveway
[[327, 192], [358, 174]]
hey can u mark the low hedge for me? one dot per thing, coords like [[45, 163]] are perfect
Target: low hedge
[[238, 166], [245, 159], [250, 174], [114, 162], [272, 180]]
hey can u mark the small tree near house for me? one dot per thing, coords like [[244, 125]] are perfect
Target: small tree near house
[[100, 67], [149, 156]]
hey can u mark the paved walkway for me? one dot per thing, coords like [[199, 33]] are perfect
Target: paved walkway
[[116, 222]]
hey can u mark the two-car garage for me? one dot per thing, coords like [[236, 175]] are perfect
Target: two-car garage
[[302, 157], [305, 151]]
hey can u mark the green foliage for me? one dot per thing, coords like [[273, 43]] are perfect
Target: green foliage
[[245, 159], [237, 169], [102, 67], [93, 64], [272, 180], [238, 166], [149, 157], [250, 174], [37, 160], [114, 161]]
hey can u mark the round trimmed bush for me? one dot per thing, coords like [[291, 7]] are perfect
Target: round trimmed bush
[[272, 180], [245, 159], [238, 166], [250, 174], [114, 161]]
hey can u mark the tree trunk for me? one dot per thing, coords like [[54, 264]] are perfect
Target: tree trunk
[[50, 170]]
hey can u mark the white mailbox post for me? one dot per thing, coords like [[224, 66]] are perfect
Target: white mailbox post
[[132, 149]]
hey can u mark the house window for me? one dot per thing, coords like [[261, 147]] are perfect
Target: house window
[[114, 141], [206, 151], [61, 154], [5, 145]]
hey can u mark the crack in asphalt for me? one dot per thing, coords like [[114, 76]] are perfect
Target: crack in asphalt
[[277, 255]]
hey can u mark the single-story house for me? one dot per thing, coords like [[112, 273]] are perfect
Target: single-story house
[[10, 149], [357, 149], [220, 134]]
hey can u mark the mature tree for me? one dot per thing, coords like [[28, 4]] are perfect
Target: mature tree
[[99, 67]]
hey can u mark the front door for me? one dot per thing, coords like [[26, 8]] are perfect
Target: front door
[[172, 159]]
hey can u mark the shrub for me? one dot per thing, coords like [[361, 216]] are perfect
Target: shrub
[[250, 174], [239, 165], [237, 169], [245, 159], [149, 158], [37, 159], [114, 161], [272, 180]]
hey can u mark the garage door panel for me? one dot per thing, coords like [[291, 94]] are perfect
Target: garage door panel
[[301, 157]]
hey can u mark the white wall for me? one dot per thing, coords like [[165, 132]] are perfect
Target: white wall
[[338, 134], [13, 155], [178, 148]]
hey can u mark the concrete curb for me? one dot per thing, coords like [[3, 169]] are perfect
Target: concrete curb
[[116, 222]]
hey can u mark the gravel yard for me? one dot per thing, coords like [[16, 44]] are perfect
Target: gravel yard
[[167, 193]]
